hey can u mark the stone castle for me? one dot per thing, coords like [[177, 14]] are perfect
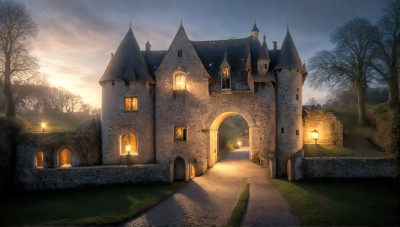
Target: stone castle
[[165, 107]]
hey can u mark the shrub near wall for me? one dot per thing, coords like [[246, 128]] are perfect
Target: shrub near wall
[[386, 123], [8, 131]]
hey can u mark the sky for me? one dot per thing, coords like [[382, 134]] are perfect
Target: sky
[[76, 38]]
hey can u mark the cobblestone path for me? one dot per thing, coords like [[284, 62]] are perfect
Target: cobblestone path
[[209, 199]]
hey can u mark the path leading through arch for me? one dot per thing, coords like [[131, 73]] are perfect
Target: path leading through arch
[[208, 200]]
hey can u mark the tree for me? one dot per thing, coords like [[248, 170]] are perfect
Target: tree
[[16, 28], [387, 49], [349, 63]]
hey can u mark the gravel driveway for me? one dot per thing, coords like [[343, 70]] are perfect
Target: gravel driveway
[[209, 199]]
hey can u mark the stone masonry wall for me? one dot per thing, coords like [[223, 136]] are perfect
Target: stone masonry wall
[[197, 109], [50, 179], [329, 127], [117, 122], [315, 168]]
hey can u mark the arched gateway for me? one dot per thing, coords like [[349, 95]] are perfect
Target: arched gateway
[[178, 98]]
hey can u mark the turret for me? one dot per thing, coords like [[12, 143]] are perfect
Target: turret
[[148, 46], [127, 107], [264, 60], [289, 75], [255, 31]]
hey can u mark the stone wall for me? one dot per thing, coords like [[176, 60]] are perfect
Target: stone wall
[[329, 127], [324, 167], [30, 179]]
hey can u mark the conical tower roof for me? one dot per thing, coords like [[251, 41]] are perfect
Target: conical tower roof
[[288, 56], [255, 29], [264, 50], [127, 63]]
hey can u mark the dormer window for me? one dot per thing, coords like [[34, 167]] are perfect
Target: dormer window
[[226, 78], [179, 81]]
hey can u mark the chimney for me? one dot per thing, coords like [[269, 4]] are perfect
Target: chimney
[[148, 46], [275, 45]]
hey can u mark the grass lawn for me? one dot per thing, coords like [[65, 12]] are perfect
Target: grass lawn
[[241, 206], [362, 203], [93, 207], [320, 150]]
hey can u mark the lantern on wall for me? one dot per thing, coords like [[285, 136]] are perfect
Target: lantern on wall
[[43, 124], [314, 135]]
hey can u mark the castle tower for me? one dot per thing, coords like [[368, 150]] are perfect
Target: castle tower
[[127, 107], [289, 75], [255, 31]]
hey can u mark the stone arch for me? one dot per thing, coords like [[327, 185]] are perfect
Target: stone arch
[[214, 121], [179, 169], [128, 144], [38, 160], [64, 158]]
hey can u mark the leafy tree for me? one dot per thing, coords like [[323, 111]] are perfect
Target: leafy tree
[[16, 28], [387, 49], [349, 63]]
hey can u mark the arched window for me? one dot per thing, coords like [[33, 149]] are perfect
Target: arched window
[[39, 160], [179, 81], [129, 144], [65, 158], [226, 78]]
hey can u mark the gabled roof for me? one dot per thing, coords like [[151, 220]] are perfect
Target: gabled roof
[[288, 57], [127, 63]]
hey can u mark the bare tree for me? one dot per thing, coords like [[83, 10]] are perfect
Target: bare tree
[[16, 28], [387, 49], [349, 63]]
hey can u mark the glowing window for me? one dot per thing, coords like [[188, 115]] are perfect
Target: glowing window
[[180, 81], [131, 104], [39, 160], [225, 71], [180, 133], [129, 144], [64, 158]]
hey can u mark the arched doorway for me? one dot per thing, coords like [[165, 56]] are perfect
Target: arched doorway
[[39, 160], [214, 131], [65, 158], [179, 169]]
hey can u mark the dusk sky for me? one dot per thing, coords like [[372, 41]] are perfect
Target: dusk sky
[[76, 38]]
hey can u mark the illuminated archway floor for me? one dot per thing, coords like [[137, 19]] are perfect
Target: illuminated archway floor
[[209, 200]]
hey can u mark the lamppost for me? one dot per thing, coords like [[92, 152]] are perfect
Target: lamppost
[[43, 126], [314, 135]]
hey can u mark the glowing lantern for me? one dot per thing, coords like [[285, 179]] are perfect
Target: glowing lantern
[[314, 135], [43, 126], [128, 148], [239, 144]]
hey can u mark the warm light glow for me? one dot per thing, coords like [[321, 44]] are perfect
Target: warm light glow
[[180, 133], [39, 160], [65, 158], [239, 144], [43, 124], [129, 144], [180, 81], [225, 71], [314, 135], [128, 148], [131, 104]]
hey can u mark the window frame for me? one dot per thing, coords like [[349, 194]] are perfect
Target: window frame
[[184, 136], [134, 152], [37, 158], [132, 98], [179, 53], [226, 82], [179, 74]]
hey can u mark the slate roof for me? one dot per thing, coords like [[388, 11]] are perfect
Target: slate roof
[[128, 62], [288, 57]]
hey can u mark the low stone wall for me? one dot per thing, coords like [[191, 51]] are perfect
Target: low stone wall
[[65, 178], [345, 167], [329, 127]]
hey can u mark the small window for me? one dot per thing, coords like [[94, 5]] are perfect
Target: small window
[[180, 133], [65, 159], [225, 71], [112, 83], [180, 53], [297, 89], [180, 81], [131, 104], [297, 97], [225, 79], [282, 130], [127, 83], [297, 132], [129, 144], [39, 160], [265, 66]]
